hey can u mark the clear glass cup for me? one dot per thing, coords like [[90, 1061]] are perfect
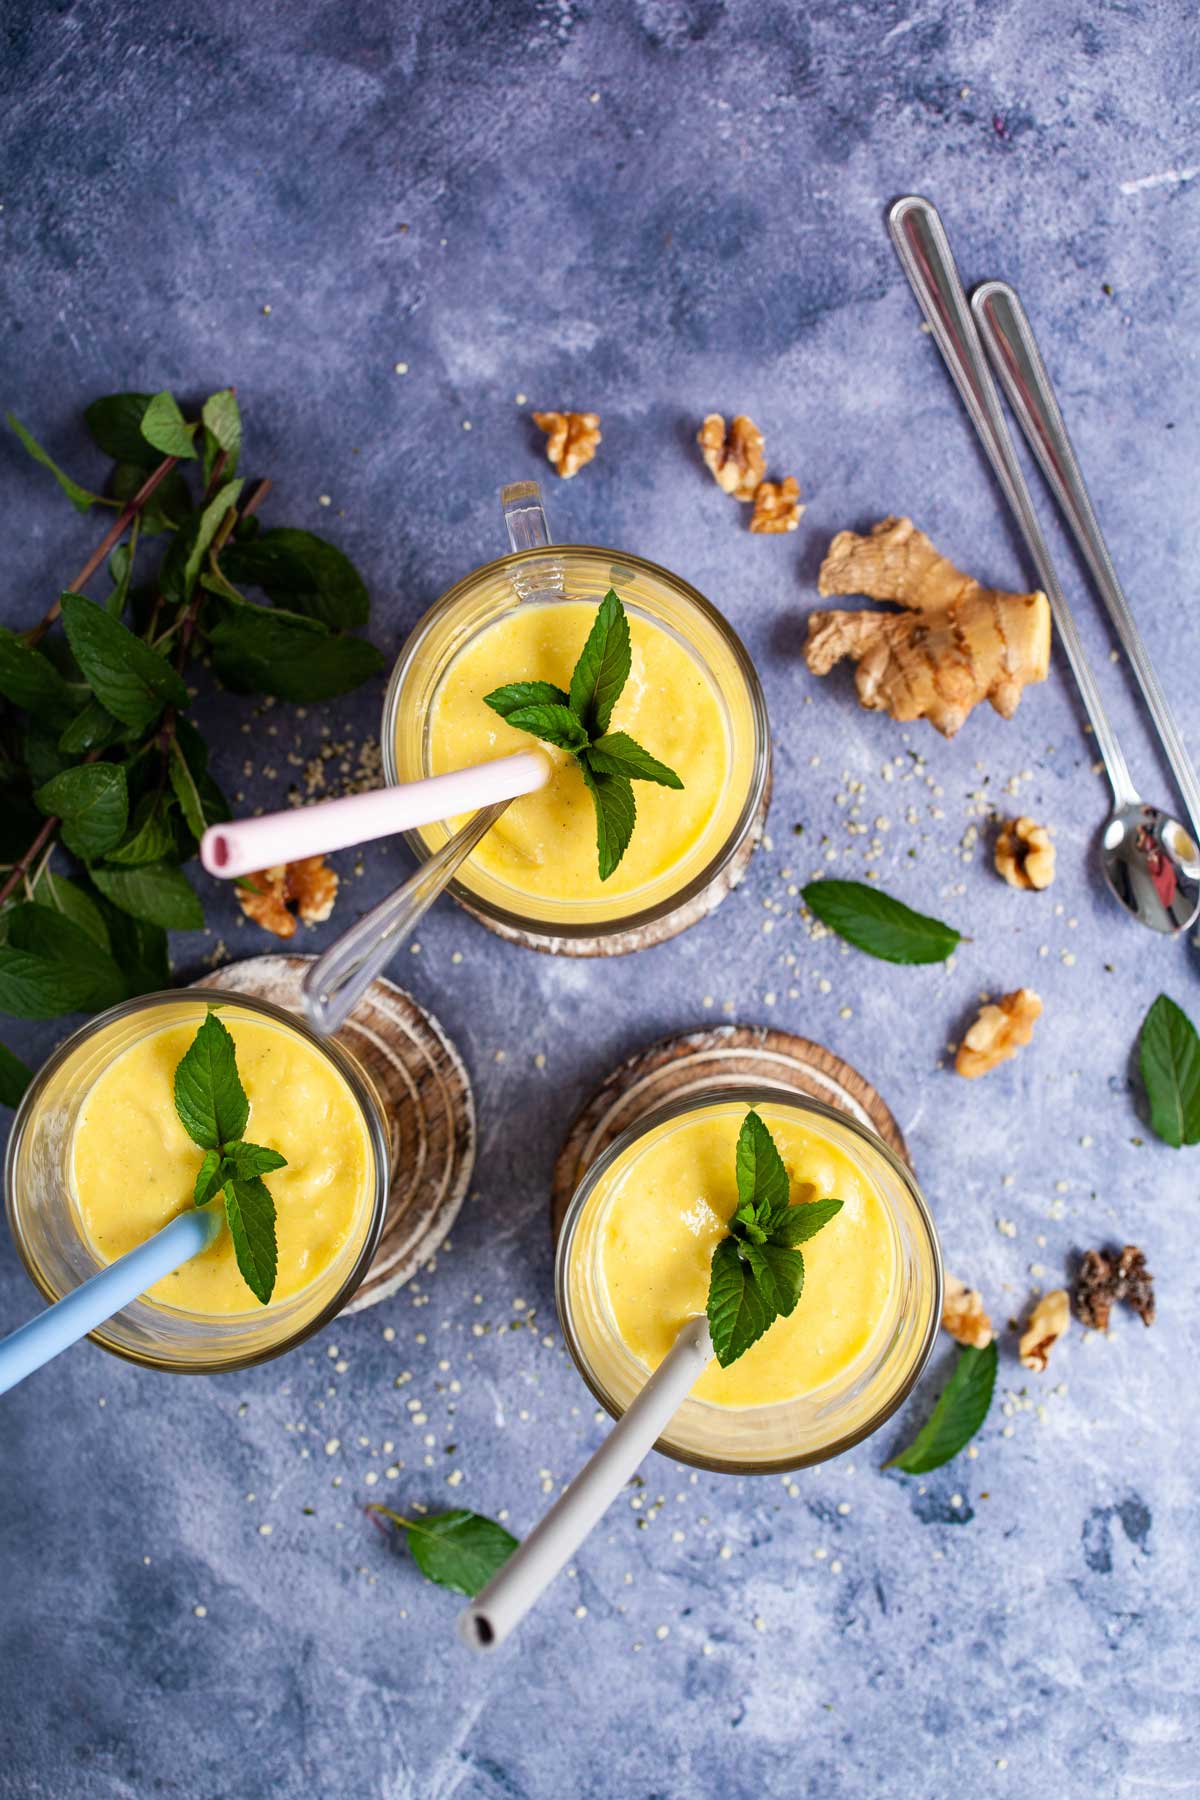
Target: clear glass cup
[[760, 1440], [50, 1236], [539, 574]]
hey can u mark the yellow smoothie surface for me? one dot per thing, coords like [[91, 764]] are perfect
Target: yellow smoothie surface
[[668, 1205], [545, 843], [134, 1167]]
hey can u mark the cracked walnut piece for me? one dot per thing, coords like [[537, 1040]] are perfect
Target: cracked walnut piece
[[998, 1033], [571, 439], [963, 1314], [1025, 854], [1047, 1323], [310, 885], [777, 505], [738, 461], [1105, 1276]]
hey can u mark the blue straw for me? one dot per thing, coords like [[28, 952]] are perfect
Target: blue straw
[[71, 1318]]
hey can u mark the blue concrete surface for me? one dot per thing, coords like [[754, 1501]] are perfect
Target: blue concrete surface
[[654, 209]]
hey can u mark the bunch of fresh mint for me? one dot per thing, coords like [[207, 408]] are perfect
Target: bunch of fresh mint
[[758, 1269], [213, 1110], [99, 761], [578, 720]]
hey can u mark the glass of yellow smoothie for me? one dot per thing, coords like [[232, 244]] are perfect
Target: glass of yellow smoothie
[[634, 1261], [692, 698], [98, 1161]]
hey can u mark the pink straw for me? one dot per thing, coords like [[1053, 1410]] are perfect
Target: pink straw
[[243, 846]]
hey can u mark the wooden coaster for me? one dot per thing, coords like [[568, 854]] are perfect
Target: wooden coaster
[[659, 931], [718, 1056], [427, 1104]]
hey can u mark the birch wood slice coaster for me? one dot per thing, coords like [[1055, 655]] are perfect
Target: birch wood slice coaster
[[719, 1056], [658, 931], [427, 1105]]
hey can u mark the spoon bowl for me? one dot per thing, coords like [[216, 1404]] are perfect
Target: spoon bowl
[[1152, 865]]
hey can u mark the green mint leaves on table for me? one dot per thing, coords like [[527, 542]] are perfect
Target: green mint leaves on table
[[1170, 1059], [874, 922], [105, 788], [960, 1411], [459, 1550], [758, 1269], [213, 1110], [609, 761]]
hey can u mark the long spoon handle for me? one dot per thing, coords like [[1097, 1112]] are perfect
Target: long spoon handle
[[926, 258], [104, 1294], [1008, 335], [340, 977]]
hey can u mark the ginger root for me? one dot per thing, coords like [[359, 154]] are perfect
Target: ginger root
[[956, 643]]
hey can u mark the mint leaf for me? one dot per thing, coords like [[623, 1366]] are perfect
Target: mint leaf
[[92, 729], [168, 506], [210, 1179], [458, 1550], [49, 964], [68, 898], [618, 754], [15, 1077], [959, 1413], [246, 1160], [762, 1179], [778, 1274], [158, 892], [150, 837], [603, 667], [93, 803], [209, 1097], [115, 422], [130, 679], [553, 723], [796, 1223], [303, 572], [120, 567], [1170, 1061], [874, 922], [222, 431], [250, 1211], [164, 426], [737, 1312], [616, 816], [81, 499], [260, 650], [514, 694], [200, 799], [29, 679], [207, 524]]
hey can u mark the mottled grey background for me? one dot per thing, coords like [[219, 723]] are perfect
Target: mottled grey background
[[654, 209]]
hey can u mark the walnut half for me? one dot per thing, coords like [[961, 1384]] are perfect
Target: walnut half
[[777, 505], [571, 439], [310, 885], [998, 1033], [1025, 854], [963, 1314], [1047, 1323], [738, 461], [1106, 1276]]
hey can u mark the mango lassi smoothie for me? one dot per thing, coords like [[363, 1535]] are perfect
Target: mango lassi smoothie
[[545, 843], [133, 1166], [635, 1263], [691, 700]]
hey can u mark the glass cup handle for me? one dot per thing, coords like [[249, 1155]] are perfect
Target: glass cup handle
[[528, 530]]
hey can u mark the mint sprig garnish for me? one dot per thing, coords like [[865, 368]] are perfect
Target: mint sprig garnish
[[1169, 1052], [213, 1109], [578, 721], [960, 1411], [460, 1550], [758, 1269]]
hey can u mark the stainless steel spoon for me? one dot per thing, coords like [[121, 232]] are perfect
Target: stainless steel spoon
[[1148, 857]]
